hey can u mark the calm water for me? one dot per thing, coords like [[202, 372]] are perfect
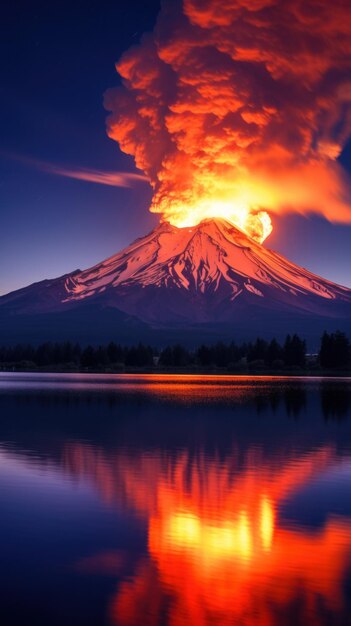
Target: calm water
[[151, 500]]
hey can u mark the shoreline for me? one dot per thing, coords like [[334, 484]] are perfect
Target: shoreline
[[181, 371]]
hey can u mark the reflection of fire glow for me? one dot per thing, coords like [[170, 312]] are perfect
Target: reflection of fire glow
[[217, 551], [237, 539]]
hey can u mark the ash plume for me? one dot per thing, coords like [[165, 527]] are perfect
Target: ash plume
[[237, 108]]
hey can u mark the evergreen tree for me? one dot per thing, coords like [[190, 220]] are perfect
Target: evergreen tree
[[220, 354], [335, 351], [258, 351], [115, 353], [166, 357], [88, 357], [294, 351], [274, 352], [139, 356], [205, 356], [181, 356]]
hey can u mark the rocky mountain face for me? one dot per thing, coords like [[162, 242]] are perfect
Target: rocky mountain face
[[209, 277]]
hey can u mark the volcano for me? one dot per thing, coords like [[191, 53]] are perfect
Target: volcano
[[207, 281]]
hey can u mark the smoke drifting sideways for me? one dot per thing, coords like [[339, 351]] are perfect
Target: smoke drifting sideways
[[239, 109]]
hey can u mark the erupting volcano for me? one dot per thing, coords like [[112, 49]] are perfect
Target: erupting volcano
[[238, 110], [210, 278], [233, 112], [210, 272]]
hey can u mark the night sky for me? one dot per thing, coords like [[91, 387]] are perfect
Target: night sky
[[57, 60]]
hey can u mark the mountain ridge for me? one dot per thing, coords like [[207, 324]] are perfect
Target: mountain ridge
[[208, 274], [213, 257]]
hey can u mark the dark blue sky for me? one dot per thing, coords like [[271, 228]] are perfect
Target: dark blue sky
[[57, 59]]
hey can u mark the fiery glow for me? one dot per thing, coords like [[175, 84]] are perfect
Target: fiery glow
[[217, 551], [237, 539], [240, 108], [257, 224]]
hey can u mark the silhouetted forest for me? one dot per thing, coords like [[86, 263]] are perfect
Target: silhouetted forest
[[334, 354]]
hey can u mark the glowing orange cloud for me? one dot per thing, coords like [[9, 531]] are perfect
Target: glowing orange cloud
[[236, 108]]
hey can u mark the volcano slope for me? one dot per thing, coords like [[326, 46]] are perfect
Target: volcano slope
[[179, 284]]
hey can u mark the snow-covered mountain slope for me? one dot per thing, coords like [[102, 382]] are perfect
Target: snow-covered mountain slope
[[211, 273], [212, 266]]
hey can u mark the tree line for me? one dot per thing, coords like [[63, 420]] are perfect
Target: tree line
[[334, 353]]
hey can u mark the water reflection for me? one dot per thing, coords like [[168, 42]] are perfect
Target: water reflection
[[218, 550], [336, 401], [264, 394], [213, 486]]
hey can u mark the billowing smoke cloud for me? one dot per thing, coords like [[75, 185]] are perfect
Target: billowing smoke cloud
[[240, 107]]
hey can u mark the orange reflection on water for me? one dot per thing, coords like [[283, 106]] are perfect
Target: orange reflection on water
[[189, 387], [217, 551], [238, 539], [183, 387]]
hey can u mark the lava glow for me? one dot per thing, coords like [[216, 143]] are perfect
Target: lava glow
[[239, 109], [257, 224]]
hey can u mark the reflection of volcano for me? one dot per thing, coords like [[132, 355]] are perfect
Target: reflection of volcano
[[218, 552], [206, 274]]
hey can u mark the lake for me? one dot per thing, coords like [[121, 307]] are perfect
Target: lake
[[154, 500]]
